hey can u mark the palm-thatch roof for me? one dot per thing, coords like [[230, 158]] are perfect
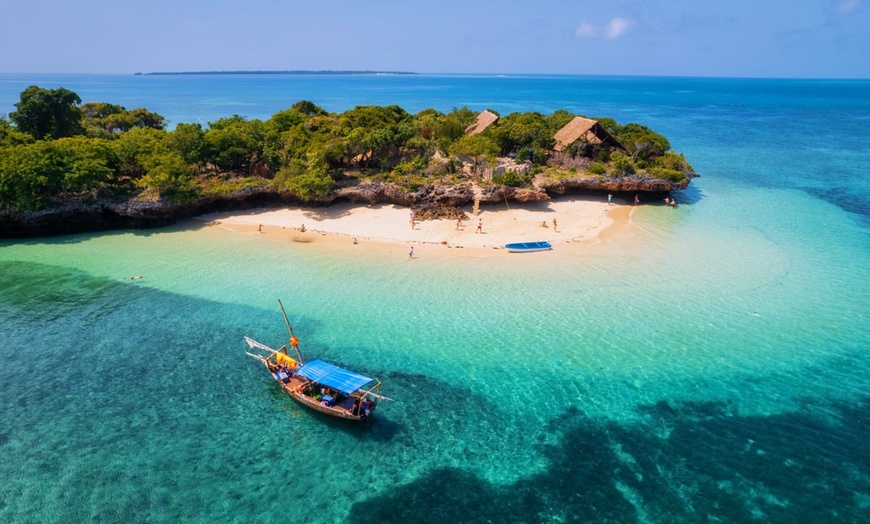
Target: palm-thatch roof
[[587, 130], [485, 119]]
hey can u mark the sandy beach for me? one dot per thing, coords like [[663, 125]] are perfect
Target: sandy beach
[[579, 221]]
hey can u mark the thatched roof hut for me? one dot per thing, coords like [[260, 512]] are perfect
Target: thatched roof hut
[[587, 130], [485, 119]]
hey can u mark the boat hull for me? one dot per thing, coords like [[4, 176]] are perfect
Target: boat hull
[[528, 247], [296, 389], [335, 411]]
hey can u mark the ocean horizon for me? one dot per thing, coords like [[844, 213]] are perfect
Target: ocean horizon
[[708, 362]]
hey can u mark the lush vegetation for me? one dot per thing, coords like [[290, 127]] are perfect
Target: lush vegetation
[[55, 148]]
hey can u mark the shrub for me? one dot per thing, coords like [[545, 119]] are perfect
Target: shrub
[[622, 165], [667, 174], [597, 168], [512, 180]]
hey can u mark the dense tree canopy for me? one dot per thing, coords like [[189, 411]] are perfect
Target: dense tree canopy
[[53, 148], [48, 113]]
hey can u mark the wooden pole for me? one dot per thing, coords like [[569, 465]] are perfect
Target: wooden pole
[[292, 336]]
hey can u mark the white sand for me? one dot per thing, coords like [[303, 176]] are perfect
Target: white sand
[[578, 220]]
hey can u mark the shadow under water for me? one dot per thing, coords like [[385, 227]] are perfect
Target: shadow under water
[[709, 465]]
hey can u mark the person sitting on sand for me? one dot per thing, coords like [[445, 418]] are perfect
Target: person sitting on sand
[[544, 223], [302, 228]]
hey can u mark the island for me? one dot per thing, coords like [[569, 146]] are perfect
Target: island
[[70, 167], [288, 72]]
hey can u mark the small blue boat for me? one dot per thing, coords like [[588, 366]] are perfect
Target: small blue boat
[[528, 247]]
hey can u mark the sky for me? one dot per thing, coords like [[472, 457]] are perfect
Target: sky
[[718, 38]]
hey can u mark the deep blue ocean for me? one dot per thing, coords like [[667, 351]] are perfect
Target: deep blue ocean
[[708, 363]]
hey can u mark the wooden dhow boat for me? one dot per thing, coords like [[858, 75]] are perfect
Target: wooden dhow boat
[[319, 385]]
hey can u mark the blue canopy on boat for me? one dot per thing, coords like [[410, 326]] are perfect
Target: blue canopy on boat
[[333, 376]]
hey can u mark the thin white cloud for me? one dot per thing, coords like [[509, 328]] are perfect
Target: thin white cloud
[[618, 27], [586, 30], [614, 29], [845, 7]]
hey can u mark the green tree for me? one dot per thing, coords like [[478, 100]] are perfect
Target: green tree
[[188, 140], [108, 120], [621, 164], [522, 130], [167, 175], [30, 175], [9, 136], [89, 164], [234, 143], [451, 127], [641, 141], [134, 147], [306, 179], [48, 113]]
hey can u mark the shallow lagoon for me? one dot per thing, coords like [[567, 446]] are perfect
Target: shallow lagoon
[[708, 361]]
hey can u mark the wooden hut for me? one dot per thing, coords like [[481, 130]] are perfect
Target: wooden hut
[[485, 119], [587, 131]]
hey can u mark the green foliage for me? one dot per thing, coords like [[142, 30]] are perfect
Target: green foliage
[[512, 180], [53, 148], [33, 174], [133, 149], [188, 140], [167, 175], [641, 141], [88, 164], [108, 120], [226, 187], [597, 168], [307, 182], [9, 136], [477, 147], [308, 108], [451, 127], [558, 120], [621, 164], [518, 130], [667, 174], [232, 144], [673, 161], [48, 113], [29, 175]]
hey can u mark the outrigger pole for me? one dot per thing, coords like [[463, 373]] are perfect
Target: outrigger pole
[[293, 340]]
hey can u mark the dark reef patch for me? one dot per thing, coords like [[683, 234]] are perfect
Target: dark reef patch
[[710, 465]]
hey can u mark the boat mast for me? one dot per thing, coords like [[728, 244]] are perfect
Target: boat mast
[[293, 340]]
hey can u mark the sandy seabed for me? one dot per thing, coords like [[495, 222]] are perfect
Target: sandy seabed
[[564, 222]]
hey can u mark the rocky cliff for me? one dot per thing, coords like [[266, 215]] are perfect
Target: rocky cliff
[[436, 200]]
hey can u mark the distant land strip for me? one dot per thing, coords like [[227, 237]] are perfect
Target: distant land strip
[[295, 72]]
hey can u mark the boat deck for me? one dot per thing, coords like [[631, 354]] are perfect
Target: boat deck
[[296, 386]]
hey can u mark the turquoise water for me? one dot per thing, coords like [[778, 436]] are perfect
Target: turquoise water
[[708, 362]]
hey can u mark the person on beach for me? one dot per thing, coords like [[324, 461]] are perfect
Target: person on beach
[[411, 253], [458, 221], [302, 228], [609, 198], [554, 225], [354, 240], [479, 226], [544, 223], [260, 228], [636, 199], [412, 219]]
